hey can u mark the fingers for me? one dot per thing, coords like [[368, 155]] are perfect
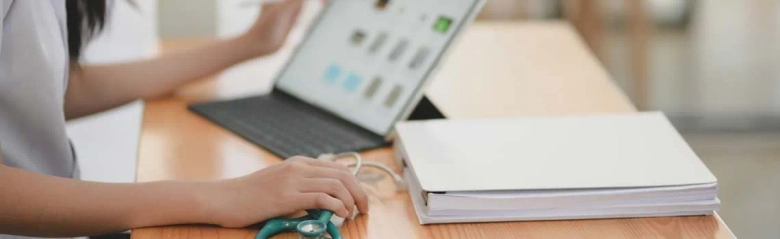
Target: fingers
[[333, 188], [332, 170], [348, 180], [320, 163], [273, 6], [323, 201], [297, 5], [293, 3]]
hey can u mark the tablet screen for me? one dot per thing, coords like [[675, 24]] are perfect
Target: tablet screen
[[366, 60]]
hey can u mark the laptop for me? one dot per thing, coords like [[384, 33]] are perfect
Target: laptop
[[361, 68]]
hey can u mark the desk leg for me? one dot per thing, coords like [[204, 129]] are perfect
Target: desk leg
[[587, 18], [640, 36]]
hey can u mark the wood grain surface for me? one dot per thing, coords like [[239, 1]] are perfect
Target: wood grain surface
[[496, 70]]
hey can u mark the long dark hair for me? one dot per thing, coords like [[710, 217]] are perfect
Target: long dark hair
[[85, 19]]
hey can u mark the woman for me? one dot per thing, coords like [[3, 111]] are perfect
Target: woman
[[42, 85]]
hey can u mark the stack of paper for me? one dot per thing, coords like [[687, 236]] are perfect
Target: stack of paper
[[552, 168]]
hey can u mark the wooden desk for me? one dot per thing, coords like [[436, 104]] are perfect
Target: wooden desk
[[498, 69]]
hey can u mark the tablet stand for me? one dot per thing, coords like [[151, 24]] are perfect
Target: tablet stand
[[426, 110]]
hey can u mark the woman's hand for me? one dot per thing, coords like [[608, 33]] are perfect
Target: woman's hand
[[295, 185], [270, 31]]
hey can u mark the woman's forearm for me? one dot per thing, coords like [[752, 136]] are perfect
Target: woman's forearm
[[43, 206], [94, 88], [36, 205]]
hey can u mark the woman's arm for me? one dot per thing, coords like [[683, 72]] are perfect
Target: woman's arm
[[43, 206], [93, 89]]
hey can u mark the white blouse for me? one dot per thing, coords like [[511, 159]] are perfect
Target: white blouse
[[33, 79]]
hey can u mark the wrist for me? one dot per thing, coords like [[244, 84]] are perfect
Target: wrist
[[252, 46], [163, 203], [207, 203]]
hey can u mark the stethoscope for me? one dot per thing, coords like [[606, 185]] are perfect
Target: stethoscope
[[318, 222]]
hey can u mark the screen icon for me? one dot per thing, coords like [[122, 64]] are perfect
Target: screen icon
[[352, 82], [419, 58], [382, 4], [378, 43], [393, 97], [373, 88], [443, 24], [358, 37], [332, 73], [399, 50]]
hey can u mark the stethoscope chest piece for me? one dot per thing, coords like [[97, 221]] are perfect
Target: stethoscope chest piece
[[312, 229]]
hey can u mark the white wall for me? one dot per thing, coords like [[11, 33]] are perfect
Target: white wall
[[736, 49], [206, 18], [187, 18], [107, 143], [235, 16]]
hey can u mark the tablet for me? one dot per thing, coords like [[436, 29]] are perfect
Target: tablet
[[367, 61]]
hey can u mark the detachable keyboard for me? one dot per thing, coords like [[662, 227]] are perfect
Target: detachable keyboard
[[288, 127]]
